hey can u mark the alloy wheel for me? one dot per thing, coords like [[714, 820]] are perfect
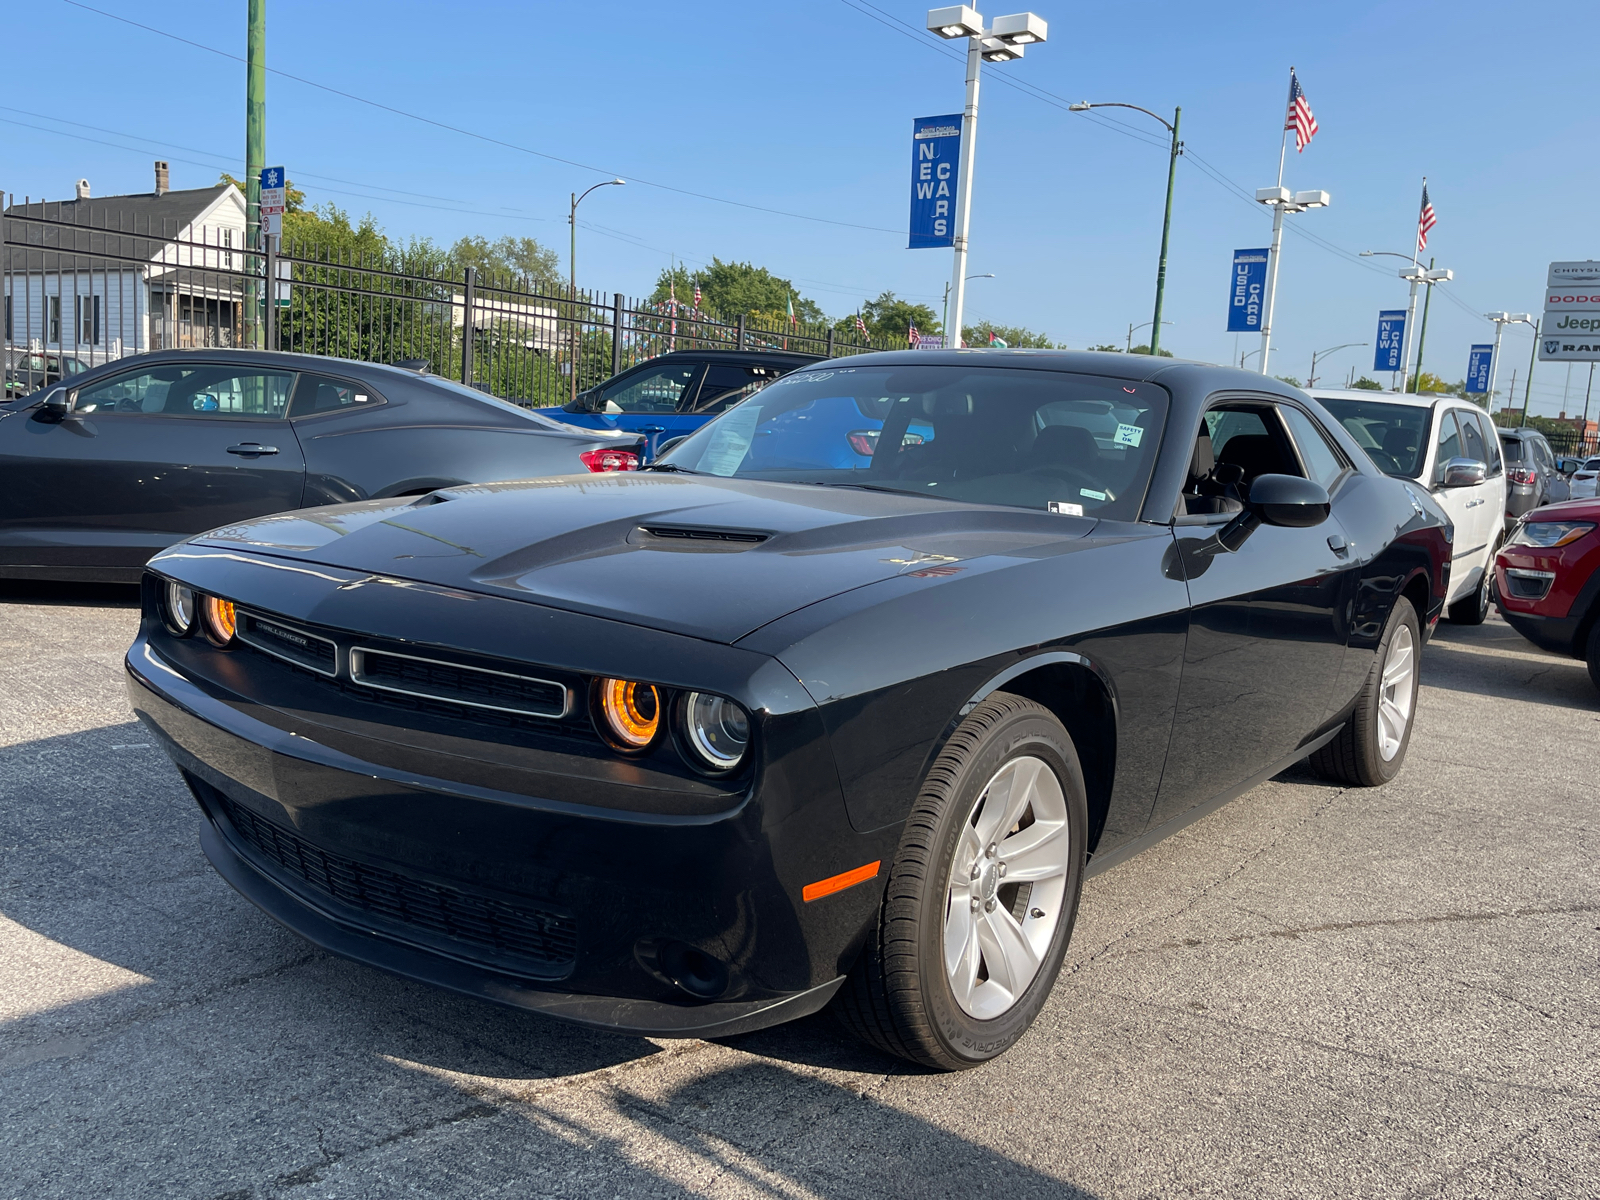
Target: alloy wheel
[[1396, 692], [1007, 884]]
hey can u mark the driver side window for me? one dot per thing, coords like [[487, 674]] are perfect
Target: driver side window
[[1449, 443], [657, 391]]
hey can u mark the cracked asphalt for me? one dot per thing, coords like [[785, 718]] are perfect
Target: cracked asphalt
[[1313, 992]]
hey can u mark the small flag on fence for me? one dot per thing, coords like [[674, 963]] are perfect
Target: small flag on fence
[[789, 305], [861, 328], [697, 298], [913, 337], [1425, 218], [996, 340], [1299, 117]]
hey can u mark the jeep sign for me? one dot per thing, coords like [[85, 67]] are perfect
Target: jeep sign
[[1570, 330]]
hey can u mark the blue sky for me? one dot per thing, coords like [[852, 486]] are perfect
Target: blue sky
[[806, 107]]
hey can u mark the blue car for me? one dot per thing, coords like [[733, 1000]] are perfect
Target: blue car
[[676, 393]]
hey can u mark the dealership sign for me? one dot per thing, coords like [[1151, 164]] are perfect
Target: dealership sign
[[1570, 328], [1247, 286], [1391, 339], [1479, 361], [935, 165]]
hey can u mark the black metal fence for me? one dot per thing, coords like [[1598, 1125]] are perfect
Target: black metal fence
[[85, 285]]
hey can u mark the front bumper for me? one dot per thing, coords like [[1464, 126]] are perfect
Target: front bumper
[[679, 926]]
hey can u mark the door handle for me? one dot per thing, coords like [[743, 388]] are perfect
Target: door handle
[[1338, 545], [652, 429], [251, 449]]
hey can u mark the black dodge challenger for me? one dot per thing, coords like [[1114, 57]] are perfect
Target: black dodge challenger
[[839, 702]]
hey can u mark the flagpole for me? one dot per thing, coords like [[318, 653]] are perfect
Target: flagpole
[[1277, 242], [1411, 305], [1283, 142]]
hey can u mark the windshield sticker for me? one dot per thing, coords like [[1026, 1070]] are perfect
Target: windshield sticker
[[1091, 493], [730, 439], [1128, 435], [1066, 508]]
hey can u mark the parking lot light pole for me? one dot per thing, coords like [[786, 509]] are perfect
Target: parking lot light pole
[[1282, 203], [572, 271], [1311, 379], [1501, 320], [946, 318], [1002, 43], [1430, 277], [1166, 221], [1131, 330]]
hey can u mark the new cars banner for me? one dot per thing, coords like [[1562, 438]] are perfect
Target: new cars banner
[[1247, 289], [1391, 339], [935, 167]]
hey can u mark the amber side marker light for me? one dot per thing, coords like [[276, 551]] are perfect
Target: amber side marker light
[[838, 883]]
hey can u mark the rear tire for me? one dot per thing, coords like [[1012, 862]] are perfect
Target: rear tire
[[1371, 748], [961, 960]]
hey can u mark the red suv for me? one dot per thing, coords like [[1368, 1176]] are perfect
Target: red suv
[[1548, 580]]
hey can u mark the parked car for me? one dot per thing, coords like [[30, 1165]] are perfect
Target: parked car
[[1448, 445], [29, 370], [652, 753], [1531, 472], [1549, 580], [102, 471], [674, 394], [1583, 484]]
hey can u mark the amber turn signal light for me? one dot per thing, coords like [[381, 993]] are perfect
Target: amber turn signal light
[[629, 713], [221, 622], [838, 883]]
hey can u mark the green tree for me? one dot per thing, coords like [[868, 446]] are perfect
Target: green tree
[[1145, 349], [326, 232], [1289, 379], [1011, 335], [1427, 381], [729, 289], [1367, 385], [890, 319], [521, 258], [1109, 348]]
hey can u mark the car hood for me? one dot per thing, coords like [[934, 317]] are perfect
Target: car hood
[[1582, 509], [711, 558]]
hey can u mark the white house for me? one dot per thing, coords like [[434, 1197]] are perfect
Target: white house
[[100, 278]]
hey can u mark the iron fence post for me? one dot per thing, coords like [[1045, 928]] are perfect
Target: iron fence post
[[270, 318], [471, 274], [616, 333], [830, 341], [739, 344]]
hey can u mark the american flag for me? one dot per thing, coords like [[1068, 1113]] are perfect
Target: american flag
[[697, 298], [913, 337], [1299, 117], [1425, 219], [861, 328]]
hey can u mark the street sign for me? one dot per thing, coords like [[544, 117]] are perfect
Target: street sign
[[1247, 287], [1570, 328], [1391, 340], [272, 223], [1479, 362], [931, 341], [935, 165]]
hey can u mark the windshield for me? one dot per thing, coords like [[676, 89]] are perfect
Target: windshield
[[1395, 436], [1075, 444]]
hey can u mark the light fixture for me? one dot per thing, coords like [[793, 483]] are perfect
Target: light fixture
[[1311, 199], [957, 22], [996, 51], [1020, 29], [178, 608], [1439, 275], [715, 731], [628, 713], [221, 621], [1272, 195]]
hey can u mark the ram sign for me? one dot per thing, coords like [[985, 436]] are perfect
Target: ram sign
[[1570, 328]]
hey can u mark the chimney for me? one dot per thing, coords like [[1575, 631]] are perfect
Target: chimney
[[83, 189], [161, 178]]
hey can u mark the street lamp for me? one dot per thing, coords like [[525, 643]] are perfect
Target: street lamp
[[1166, 221], [1311, 379], [1418, 276], [986, 275], [1280, 201], [1501, 320], [1004, 42], [572, 269], [1146, 325]]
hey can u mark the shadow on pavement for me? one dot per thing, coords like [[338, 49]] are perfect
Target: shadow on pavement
[[1492, 659], [78, 595]]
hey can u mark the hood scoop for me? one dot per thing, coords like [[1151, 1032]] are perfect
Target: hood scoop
[[695, 538]]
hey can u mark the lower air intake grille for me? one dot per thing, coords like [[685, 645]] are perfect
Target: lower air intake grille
[[520, 933]]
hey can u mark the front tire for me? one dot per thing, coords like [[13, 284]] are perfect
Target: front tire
[[981, 897], [1371, 748], [1473, 609]]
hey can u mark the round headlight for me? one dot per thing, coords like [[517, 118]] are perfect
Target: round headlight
[[220, 621], [630, 713], [179, 609], [716, 731]]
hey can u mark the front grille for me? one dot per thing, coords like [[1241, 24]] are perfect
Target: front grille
[[1529, 585], [298, 646], [475, 687], [529, 934]]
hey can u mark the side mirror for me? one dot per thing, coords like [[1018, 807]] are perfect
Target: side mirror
[[1462, 472], [670, 443], [57, 404], [1568, 465], [1290, 501]]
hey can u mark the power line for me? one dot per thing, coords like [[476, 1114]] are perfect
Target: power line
[[483, 137]]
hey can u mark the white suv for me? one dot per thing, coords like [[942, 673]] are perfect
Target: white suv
[[1449, 446]]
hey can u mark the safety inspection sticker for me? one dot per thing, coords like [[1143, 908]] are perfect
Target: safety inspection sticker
[[1128, 435], [1065, 508]]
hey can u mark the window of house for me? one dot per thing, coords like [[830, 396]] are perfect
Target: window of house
[[227, 241], [88, 320], [52, 312]]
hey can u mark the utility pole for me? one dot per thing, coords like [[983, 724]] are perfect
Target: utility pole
[[255, 158], [1166, 228], [1527, 387], [1583, 430], [1422, 334]]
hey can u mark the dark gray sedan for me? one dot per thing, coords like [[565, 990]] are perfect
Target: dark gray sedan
[[101, 472]]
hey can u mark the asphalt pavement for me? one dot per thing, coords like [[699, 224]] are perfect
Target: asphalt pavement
[[1315, 991]]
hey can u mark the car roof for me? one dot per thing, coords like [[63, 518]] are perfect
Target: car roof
[[750, 354], [1409, 399]]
